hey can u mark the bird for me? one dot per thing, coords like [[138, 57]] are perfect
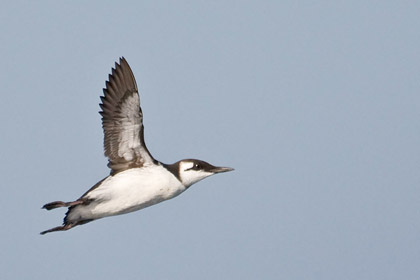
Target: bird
[[136, 180]]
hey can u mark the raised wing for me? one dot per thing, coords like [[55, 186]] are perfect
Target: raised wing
[[122, 121]]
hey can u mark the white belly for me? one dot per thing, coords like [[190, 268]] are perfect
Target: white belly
[[128, 191]]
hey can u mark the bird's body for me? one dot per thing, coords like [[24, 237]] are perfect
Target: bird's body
[[128, 191], [137, 180]]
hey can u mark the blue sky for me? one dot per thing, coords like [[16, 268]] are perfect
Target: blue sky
[[315, 105]]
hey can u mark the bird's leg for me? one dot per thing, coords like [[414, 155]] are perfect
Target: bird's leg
[[56, 204], [59, 228], [66, 226]]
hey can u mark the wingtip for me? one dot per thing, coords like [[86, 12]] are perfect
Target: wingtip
[[118, 64], [122, 61]]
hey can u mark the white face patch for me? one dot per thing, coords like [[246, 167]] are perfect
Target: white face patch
[[189, 175], [184, 166]]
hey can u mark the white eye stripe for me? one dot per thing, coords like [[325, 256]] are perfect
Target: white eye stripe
[[187, 166], [193, 166]]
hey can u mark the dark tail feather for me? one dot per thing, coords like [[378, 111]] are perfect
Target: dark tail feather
[[56, 204]]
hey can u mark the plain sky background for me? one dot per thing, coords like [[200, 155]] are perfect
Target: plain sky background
[[314, 103]]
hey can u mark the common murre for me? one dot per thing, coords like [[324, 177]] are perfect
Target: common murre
[[137, 180]]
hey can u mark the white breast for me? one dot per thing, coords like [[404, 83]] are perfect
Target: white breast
[[129, 191]]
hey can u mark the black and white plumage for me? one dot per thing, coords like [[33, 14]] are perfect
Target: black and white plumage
[[137, 180]]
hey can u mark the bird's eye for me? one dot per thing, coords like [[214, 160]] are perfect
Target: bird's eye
[[197, 166]]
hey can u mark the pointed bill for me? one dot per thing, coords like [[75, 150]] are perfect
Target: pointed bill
[[217, 169]]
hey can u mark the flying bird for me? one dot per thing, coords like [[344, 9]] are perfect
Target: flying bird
[[136, 180]]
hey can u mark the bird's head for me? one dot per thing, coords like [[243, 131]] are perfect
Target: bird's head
[[193, 170]]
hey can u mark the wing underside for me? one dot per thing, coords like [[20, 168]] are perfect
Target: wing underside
[[122, 121]]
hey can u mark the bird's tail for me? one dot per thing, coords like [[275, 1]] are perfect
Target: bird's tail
[[66, 224]]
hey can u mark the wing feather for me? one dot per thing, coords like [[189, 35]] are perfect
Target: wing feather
[[122, 121]]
